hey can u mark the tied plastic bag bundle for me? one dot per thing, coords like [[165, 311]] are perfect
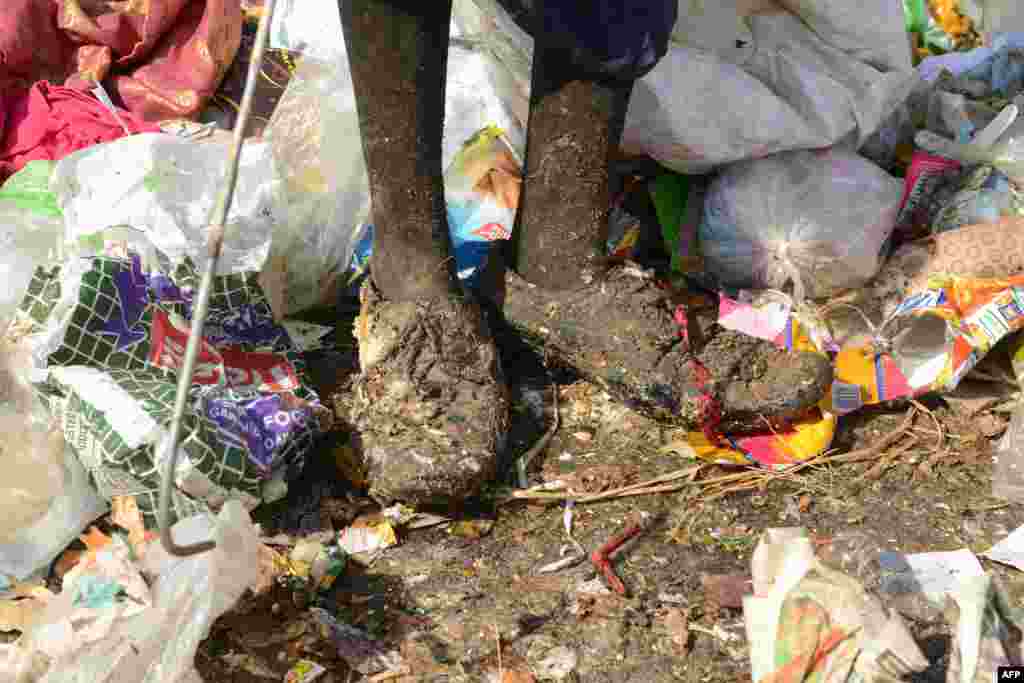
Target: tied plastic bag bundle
[[46, 498], [819, 220]]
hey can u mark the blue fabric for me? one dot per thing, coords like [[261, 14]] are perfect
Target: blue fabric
[[617, 39]]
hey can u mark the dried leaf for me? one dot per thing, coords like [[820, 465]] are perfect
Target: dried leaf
[[95, 540], [518, 677], [726, 590], [68, 560], [990, 425], [272, 565], [805, 503]]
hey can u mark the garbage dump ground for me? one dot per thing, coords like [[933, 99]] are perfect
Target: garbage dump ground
[[444, 597]]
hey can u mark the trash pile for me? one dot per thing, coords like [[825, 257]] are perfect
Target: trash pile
[[866, 203]]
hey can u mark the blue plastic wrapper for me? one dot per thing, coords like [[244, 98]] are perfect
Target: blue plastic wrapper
[[482, 194]]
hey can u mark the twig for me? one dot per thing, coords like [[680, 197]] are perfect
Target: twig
[[387, 676], [872, 452], [986, 508], [716, 632], [542, 443], [649, 486], [884, 463], [925, 468], [747, 480], [501, 669]]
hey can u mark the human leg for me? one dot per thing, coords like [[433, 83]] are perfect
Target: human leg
[[429, 406], [613, 323]]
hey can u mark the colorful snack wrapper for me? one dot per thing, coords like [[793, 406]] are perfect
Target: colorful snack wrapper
[[932, 340], [109, 338]]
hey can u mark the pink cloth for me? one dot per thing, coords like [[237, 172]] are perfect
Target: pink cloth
[[50, 122]]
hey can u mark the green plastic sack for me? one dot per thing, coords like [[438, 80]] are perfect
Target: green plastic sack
[[679, 203]]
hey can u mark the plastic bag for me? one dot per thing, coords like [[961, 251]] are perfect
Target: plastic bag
[[152, 636], [929, 342], [108, 340], [806, 620], [46, 498], [1001, 16], [817, 219], [481, 188], [166, 187], [1008, 461], [31, 233], [315, 137], [809, 77]]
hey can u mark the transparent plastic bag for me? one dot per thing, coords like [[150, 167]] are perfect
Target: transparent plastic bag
[[315, 138], [46, 498], [1000, 144], [153, 638], [315, 141], [817, 219]]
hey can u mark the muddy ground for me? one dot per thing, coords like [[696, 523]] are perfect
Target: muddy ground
[[445, 601]]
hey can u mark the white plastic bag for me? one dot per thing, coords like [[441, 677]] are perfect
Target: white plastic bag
[[742, 79], [818, 220], [149, 639], [167, 187], [46, 498]]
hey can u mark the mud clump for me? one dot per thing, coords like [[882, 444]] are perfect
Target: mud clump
[[620, 332], [753, 379], [430, 406]]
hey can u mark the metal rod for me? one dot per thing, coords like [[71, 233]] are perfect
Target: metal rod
[[216, 241]]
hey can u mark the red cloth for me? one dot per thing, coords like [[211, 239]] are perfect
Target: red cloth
[[163, 58], [50, 122]]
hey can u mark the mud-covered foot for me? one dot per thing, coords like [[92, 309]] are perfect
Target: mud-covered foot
[[430, 405], [620, 331]]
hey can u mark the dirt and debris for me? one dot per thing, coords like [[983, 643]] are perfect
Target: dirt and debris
[[439, 598]]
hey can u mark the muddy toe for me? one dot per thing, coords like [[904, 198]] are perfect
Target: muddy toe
[[430, 408], [621, 333]]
